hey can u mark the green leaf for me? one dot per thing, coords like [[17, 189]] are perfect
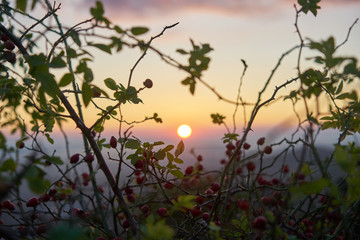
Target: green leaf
[[169, 156], [183, 201], [87, 93], [49, 84], [64, 232], [160, 155], [157, 230], [139, 30], [177, 173], [57, 62], [313, 187], [21, 4], [168, 148], [75, 37], [102, 47], [98, 11], [33, 4], [50, 140], [132, 144], [158, 143], [66, 80], [55, 160], [181, 51], [344, 159], [110, 83], [179, 149], [38, 186], [9, 165], [217, 118], [118, 29], [178, 161]]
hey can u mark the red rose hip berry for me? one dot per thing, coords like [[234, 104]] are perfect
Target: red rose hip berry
[[260, 223], [243, 204], [215, 187], [74, 158], [113, 142], [250, 166], [162, 212], [246, 146], [9, 45], [148, 83], [189, 170], [89, 158], [33, 202], [268, 150], [260, 141]]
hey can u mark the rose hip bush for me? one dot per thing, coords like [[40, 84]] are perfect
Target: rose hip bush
[[257, 192]]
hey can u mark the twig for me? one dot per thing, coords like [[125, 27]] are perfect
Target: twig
[[348, 34], [146, 48], [53, 11]]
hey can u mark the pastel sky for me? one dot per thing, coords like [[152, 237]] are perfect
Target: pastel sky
[[256, 31]]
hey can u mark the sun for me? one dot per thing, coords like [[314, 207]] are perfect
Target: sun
[[184, 131]]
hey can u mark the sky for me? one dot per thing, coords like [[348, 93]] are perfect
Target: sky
[[256, 31]]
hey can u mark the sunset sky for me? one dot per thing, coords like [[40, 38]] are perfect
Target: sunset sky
[[256, 31]]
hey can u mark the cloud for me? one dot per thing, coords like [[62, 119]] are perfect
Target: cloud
[[130, 10], [125, 9]]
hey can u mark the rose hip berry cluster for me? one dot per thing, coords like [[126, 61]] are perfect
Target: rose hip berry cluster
[[7, 49]]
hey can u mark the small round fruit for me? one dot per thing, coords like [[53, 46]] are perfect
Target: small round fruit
[[96, 92], [268, 150], [148, 83], [260, 223], [9, 45], [215, 187], [33, 202], [162, 212], [250, 166], [189, 170], [139, 180], [20, 145], [285, 169], [130, 197], [209, 191], [113, 142], [74, 158], [139, 164], [205, 216], [8, 205], [145, 209], [266, 200], [243, 204], [169, 185], [129, 190], [89, 158], [4, 37], [45, 197], [199, 158], [199, 167], [200, 199], [125, 224], [196, 211], [260, 141], [9, 56], [246, 146]]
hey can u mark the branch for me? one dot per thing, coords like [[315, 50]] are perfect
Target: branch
[[348, 34], [147, 46], [87, 133], [40, 21]]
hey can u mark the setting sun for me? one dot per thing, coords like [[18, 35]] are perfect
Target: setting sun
[[184, 131]]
